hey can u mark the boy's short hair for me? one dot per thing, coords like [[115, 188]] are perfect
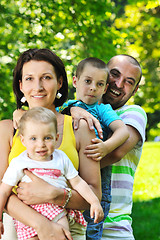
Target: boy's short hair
[[95, 62], [37, 114]]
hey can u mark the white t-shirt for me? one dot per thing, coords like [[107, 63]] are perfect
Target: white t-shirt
[[56, 171]]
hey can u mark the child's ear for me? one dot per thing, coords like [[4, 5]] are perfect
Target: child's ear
[[75, 81], [22, 139]]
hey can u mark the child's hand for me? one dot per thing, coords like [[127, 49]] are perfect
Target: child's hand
[[1, 228], [97, 150], [17, 114], [80, 113], [96, 212]]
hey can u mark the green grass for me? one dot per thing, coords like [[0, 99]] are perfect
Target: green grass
[[146, 195]]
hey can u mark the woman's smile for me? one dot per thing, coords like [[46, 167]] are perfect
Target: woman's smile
[[39, 83]]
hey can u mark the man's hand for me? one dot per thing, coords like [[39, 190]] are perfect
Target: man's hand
[[79, 113]]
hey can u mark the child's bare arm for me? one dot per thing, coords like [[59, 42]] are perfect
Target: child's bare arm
[[99, 149], [85, 191]]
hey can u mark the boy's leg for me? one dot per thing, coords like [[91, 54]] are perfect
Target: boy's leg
[[94, 230]]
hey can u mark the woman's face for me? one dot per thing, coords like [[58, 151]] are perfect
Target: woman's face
[[39, 84]]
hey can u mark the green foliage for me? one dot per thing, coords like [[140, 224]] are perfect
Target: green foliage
[[77, 29], [146, 194], [140, 28]]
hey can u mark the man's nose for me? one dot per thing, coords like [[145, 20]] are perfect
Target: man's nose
[[120, 82]]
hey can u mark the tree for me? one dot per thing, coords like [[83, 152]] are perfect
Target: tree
[[140, 29], [78, 29]]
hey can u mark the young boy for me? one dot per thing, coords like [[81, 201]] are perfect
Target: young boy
[[91, 83], [38, 133]]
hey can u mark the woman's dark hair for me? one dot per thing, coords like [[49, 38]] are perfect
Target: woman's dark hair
[[40, 55]]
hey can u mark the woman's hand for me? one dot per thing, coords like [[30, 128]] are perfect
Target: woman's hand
[[53, 231], [80, 113], [33, 192]]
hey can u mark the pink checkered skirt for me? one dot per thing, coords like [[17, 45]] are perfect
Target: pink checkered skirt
[[50, 211]]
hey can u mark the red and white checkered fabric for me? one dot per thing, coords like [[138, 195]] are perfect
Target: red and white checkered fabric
[[77, 215], [50, 211]]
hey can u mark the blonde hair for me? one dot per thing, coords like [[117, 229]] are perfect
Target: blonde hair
[[37, 114]]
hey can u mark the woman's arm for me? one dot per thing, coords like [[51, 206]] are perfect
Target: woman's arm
[[6, 136], [32, 218], [89, 170]]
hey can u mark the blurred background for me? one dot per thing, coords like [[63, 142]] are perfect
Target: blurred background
[[78, 29], [75, 30]]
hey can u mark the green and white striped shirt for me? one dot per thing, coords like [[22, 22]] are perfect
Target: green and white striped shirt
[[117, 225]]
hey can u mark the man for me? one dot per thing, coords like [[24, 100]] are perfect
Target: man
[[124, 77]]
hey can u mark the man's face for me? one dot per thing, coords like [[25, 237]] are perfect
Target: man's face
[[123, 79]]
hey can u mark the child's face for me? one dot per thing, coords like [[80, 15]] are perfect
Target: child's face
[[91, 85], [40, 140]]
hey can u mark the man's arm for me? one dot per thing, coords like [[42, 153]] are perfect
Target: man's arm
[[120, 152]]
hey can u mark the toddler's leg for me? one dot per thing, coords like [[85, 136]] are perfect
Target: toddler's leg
[[64, 222]]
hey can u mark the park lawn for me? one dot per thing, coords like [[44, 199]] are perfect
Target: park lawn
[[146, 194]]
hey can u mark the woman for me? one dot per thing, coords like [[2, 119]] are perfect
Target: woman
[[38, 76]]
